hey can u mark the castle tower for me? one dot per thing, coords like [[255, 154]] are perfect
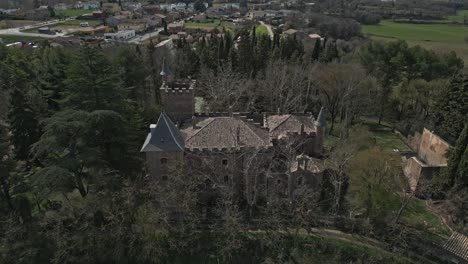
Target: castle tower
[[164, 148], [320, 125], [177, 96]]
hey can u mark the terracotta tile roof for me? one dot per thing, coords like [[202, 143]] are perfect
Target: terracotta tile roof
[[458, 245], [280, 125], [225, 132]]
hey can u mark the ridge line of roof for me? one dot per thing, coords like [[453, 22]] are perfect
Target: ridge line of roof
[[248, 126], [170, 131], [289, 115], [200, 129]]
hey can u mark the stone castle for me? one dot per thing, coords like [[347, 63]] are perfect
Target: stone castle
[[277, 153]]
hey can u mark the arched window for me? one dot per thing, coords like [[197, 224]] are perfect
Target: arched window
[[225, 162], [163, 160]]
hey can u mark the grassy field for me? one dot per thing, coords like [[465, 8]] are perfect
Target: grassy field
[[439, 37], [419, 216], [215, 23], [7, 39], [72, 12], [418, 32], [459, 17]]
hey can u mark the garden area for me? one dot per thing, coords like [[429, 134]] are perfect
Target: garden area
[[442, 36]]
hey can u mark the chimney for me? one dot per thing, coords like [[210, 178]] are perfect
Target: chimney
[[152, 127], [230, 110], [194, 122], [279, 111], [265, 120], [305, 164], [238, 135], [302, 129]]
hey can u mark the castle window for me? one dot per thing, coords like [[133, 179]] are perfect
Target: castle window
[[226, 179], [225, 162], [164, 178], [162, 140], [163, 161]]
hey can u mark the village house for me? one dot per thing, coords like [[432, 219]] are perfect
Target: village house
[[256, 15], [111, 8], [78, 5], [139, 25], [157, 18], [61, 6], [172, 16], [279, 152], [151, 9], [91, 5], [120, 36], [175, 27], [115, 21], [133, 6], [201, 18]]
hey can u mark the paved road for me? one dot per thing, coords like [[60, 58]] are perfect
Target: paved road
[[18, 31], [270, 31], [141, 39]]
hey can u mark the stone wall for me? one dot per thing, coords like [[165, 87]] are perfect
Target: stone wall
[[433, 149], [157, 169]]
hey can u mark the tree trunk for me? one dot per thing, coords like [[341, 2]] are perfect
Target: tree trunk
[[403, 206], [6, 192]]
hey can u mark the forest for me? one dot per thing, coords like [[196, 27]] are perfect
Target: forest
[[72, 179]]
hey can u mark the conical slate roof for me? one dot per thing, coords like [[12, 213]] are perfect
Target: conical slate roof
[[321, 121], [164, 136], [165, 69]]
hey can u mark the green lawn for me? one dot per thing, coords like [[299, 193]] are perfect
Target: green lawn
[[459, 17], [418, 32], [7, 39], [441, 38], [418, 215], [215, 23], [72, 12]]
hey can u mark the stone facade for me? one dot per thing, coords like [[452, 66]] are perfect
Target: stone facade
[[251, 154], [433, 149], [178, 99], [431, 157]]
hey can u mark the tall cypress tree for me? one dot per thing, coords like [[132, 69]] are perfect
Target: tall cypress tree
[[317, 50]]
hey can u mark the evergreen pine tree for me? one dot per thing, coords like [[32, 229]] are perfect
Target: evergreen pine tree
[[458, 161], [24, 124], [93, 83], [7, 165], [451, 109]]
